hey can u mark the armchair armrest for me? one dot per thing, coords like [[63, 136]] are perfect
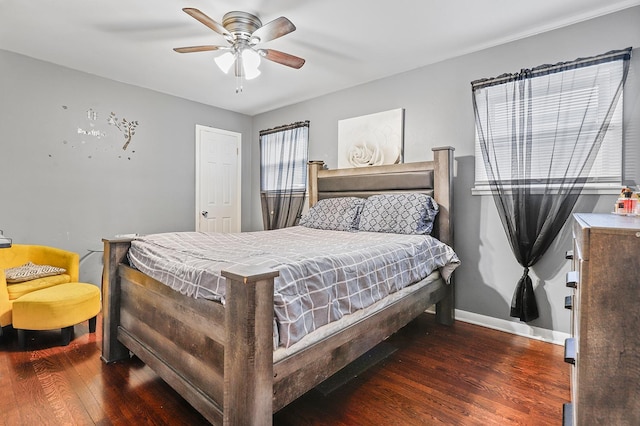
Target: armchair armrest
[[44, 255]]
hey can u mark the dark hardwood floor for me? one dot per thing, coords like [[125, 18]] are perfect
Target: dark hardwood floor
[[459, 375]]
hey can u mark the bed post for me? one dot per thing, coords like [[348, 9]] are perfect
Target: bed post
[[314, 167], [443, 192], [248, 351], [115, 252]]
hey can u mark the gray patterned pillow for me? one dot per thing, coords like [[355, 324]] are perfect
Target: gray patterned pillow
[[405, 213], [337, 214], [30, 271]]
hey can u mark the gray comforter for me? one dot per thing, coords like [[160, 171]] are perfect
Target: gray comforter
[[324, 275]]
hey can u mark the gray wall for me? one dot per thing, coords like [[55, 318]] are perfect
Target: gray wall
[[438, 111], [67, 189]]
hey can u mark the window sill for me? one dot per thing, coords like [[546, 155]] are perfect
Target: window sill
[[608, 189]]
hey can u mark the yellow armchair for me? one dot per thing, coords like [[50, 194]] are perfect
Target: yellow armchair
[[18, 255]]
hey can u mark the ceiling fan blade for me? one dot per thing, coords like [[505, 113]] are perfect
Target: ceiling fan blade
[[272, 30], [215, 26], [282, 58], [198, 48]]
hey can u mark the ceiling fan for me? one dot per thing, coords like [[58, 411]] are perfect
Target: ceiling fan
[[243, 32]]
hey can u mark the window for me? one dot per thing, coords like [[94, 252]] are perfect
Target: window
[[283, 164], [283, 174], [555, 117], [538, 134]]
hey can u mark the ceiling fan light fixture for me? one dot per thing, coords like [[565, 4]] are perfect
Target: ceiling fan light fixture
[[243, 31], [250, 74], [225, 61], [250, 62]]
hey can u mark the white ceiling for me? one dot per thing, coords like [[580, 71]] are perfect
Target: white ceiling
[[345, 42]]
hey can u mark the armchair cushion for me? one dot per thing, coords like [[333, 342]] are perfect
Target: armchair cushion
[[20, 289]]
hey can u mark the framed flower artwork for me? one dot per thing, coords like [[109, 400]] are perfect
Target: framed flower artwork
[[371, 140]]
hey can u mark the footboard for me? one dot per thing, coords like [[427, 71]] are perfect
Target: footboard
[[214, 356]]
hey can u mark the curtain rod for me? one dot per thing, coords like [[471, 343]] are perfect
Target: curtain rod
[[613, 55], [285, 127]]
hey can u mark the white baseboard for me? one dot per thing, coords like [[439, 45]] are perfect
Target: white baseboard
[[518, 328]]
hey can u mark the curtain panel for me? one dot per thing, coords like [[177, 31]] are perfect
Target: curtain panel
[[567, 107], [283, 174]]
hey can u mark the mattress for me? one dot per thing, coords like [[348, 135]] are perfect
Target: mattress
[[324, 275]]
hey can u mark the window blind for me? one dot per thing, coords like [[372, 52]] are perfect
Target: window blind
[[565, 110], [284, 160]]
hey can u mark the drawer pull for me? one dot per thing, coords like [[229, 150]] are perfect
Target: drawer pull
[[572, 279], [568, 254], [570, 350], [567, 414], [568, 302]]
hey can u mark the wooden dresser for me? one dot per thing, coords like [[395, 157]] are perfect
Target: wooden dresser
[[604, 349]]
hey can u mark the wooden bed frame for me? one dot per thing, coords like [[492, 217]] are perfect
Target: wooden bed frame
[[220, 357]]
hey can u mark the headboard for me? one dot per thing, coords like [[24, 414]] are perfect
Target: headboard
[[434, 178]]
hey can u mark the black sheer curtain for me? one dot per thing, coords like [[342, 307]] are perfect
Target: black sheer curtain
[[283, 174], [563, 107]]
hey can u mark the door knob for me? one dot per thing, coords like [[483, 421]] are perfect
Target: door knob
[[204, 213]]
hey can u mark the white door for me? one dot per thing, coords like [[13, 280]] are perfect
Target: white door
[[217, 180]]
